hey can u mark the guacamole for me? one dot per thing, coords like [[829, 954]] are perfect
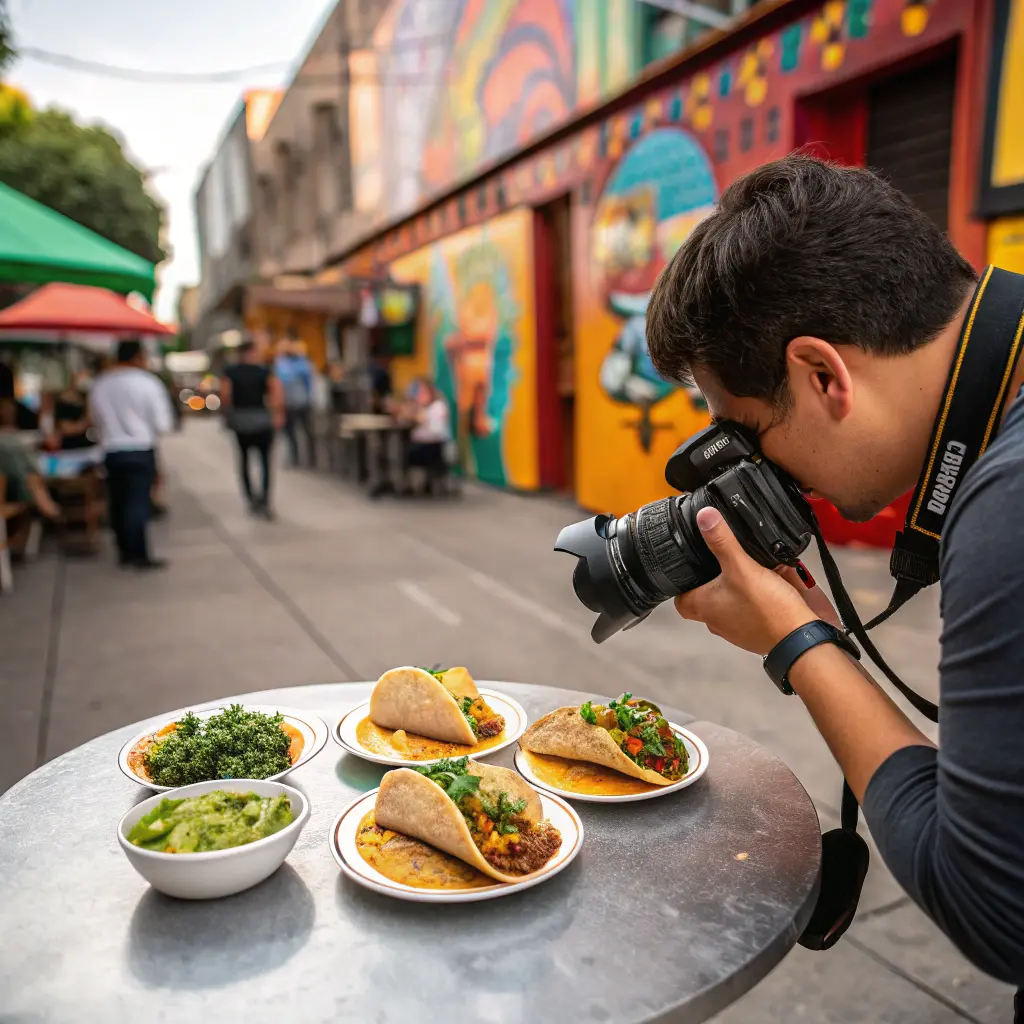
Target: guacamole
[[213, 821]]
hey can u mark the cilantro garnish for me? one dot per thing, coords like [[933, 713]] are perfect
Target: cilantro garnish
[[464, 705], [627, 715], [652, 741], [502, 811], [233, 744], [452, 775], [587, 713]]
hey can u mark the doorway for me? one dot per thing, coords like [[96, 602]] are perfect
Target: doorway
[[910, 133], [556, 364], [898, 124]]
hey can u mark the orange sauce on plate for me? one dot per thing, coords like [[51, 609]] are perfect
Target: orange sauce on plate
[[378, 740], [410, 862], [583, 777]]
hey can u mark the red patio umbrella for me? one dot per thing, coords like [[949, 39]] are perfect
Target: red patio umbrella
[[78, 307]]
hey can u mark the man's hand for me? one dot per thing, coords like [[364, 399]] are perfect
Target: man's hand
[[749, 605]]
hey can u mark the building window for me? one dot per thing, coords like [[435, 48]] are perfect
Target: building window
[[665, 33], [284, 168], [325, 158], [771, 126], [270, 228]]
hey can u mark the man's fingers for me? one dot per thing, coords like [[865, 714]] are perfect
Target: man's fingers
[[689, 605], [719, 538]]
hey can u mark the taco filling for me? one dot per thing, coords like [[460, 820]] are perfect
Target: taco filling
[[483, 720], [441, 704], [498, 823], [641, 732]]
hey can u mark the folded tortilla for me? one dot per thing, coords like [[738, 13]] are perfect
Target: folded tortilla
[[411, 804], [414, 700], [563, 733]]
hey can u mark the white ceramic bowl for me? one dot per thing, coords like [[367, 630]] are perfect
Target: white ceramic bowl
[[206, 876]]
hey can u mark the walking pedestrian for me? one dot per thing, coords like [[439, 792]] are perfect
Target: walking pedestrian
[[130, 409], [253, 401], [295, 372]]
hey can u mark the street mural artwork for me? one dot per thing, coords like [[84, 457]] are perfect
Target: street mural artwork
[[451, 84], [652, 199], [476, 338], [639, 179]]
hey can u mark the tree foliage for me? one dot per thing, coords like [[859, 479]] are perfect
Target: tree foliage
[[6, 37], [82, 172]]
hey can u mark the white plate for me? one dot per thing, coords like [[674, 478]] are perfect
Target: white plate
[[512, 711], [313, 729], [342, 840], [696, 752]]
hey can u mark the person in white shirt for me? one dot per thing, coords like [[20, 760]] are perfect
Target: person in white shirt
[[432, 431], [130, 409]]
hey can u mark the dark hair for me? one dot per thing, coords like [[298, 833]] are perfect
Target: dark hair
[[128, 350], [802, 247]]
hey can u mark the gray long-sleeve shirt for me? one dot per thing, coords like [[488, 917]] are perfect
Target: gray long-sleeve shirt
[[950, 823]]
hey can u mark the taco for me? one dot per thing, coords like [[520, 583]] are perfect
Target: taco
[[485, 815], [628, 734], [442, 705]]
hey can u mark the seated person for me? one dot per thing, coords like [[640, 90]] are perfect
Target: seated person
[[432, 430], [71, 420], [24, 482]]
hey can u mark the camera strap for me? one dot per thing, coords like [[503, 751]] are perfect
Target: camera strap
[[975, 396]]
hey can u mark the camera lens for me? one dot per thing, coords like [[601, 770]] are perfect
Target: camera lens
[[629, 566]]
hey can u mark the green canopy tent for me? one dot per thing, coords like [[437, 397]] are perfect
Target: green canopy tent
[[39, 245]]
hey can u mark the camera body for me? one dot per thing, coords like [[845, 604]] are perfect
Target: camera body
[[628, 566]]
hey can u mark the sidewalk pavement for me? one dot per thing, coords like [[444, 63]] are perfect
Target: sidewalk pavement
[[341, 588]]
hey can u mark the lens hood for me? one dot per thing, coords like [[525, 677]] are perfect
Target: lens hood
[[594, 579]]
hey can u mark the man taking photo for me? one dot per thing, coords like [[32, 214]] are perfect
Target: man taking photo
[[824, 312]]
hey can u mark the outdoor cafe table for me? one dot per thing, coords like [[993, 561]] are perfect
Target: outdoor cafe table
[[658, 919], [381, 467]]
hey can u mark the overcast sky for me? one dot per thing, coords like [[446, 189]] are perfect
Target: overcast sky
[[171, 129]]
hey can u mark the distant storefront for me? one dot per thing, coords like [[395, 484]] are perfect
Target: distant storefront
[[535, 277]]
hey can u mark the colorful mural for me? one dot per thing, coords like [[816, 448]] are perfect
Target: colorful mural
[[640, 178], [451, 84], [652, 199], [476, 337]]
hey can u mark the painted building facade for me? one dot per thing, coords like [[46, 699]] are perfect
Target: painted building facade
[[536, 268]]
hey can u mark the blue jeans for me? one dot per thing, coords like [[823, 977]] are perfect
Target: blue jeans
[[130, 477]]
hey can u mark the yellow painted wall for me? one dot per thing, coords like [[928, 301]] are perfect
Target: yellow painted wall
[[476, 336], [613, 472], [1006, 243], [1008, 154], [307, 326], [628, 419]]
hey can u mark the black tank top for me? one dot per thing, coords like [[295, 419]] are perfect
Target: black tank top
[[248, 385]]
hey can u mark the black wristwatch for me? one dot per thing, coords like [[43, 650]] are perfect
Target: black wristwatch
[[779, 660]]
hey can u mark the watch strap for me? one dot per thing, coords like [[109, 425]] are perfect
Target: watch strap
[[780, 659]]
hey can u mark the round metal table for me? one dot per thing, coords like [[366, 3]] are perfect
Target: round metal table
[[674, 908]]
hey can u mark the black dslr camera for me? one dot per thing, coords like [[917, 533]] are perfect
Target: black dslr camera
[[628, 566]]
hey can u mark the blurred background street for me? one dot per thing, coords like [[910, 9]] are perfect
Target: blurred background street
[[341, 588]]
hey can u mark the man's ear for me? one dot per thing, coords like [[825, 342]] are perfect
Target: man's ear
[[818, 374]]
